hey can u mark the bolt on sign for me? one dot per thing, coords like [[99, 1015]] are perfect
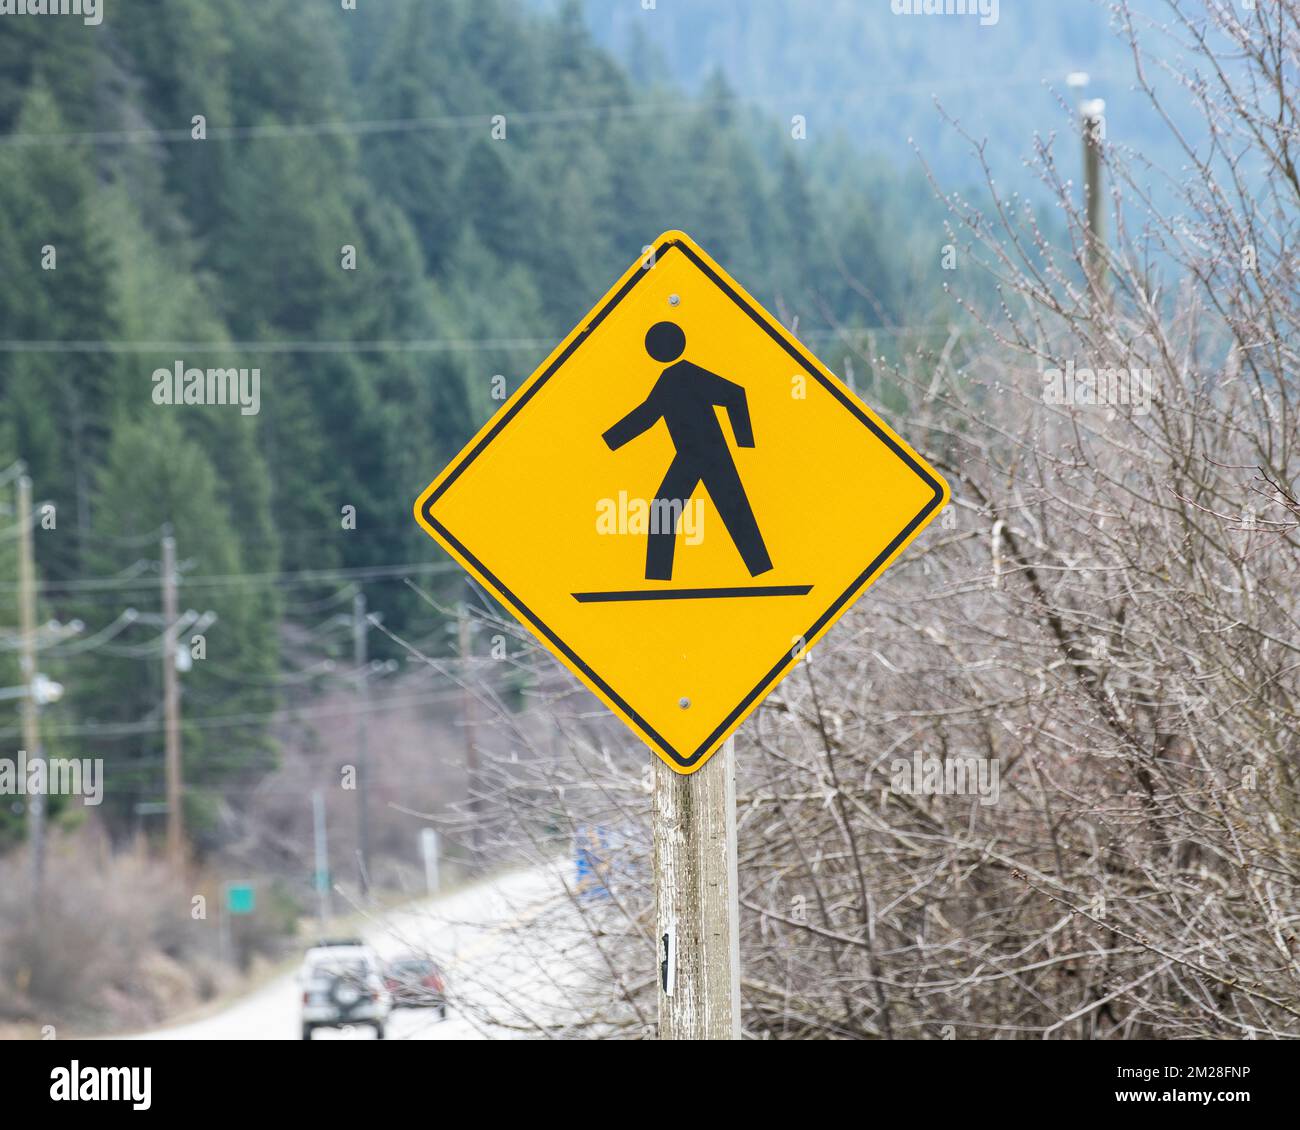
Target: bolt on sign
[[680, 501]]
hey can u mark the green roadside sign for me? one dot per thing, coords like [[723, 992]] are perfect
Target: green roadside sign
[[241, 898]]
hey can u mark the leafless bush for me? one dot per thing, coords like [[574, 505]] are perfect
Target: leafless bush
[[107, 930], [1108, 615]]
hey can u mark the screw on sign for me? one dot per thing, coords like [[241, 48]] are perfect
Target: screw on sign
[[678, 503]]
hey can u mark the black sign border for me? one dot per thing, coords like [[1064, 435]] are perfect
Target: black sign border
[[706, 747]]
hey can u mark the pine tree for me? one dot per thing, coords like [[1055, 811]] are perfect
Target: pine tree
[[155, 476], [61, 402]]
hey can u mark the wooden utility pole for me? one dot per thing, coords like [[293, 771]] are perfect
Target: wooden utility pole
[[697, 913], [27, 661], [1093, 112], [172, 710], [464, 647], [360, 659], [321, 879], [429, 851]]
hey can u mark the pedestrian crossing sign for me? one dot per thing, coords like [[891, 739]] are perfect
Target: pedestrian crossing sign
[[680, 501]]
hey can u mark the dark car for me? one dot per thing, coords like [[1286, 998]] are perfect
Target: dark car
[[416, 982]]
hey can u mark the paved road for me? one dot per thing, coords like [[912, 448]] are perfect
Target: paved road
[[497, 983]]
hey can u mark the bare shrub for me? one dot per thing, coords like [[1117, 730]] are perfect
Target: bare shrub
[[1109, 618], [101, 920]]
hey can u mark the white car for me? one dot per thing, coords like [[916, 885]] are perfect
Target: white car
[[343, 986]]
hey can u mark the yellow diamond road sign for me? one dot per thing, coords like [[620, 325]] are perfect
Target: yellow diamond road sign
[[680, 501]]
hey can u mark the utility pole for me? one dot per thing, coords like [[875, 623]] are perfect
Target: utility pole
[[1093, 130], [467, 722], [172, 709], [1092, 115], [429, 850], [360, 659], [27, 661], [697, 912], [322, 876]]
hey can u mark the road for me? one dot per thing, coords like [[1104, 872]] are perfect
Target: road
[[497, 983]]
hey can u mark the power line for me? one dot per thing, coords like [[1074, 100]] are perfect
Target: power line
[[324, 669], [218, 721], [220, 580], [99, 640], [430, 345], [339, 597], [485, 119], [424, 345], [127, 540]]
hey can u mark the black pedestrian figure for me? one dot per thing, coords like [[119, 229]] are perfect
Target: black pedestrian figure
[[685, 397]]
